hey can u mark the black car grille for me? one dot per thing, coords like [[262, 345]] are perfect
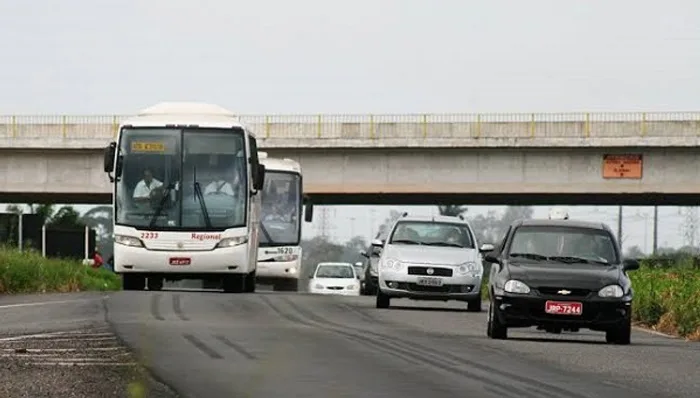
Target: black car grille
[[437, 271], [555, 291]]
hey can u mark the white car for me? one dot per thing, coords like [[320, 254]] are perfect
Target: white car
[[431, 258], [335, 278]]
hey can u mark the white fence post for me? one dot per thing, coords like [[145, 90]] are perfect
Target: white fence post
[[87, 242], [43, 240], [21, 233]]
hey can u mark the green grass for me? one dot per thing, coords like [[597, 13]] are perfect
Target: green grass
[[666, 298], [29, 272]]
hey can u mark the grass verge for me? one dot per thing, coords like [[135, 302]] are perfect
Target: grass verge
[[666, 299], [29, 272]]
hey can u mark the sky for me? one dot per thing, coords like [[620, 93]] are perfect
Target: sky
[[379, 56]]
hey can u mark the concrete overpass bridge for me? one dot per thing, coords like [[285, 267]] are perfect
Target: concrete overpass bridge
[[446, 158]]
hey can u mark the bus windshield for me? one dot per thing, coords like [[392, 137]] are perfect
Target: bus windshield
[[191, 179], [281, 205]]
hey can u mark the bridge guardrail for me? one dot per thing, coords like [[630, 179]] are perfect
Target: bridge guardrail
[[391, 126]]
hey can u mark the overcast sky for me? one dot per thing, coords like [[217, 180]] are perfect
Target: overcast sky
[[361, 56]]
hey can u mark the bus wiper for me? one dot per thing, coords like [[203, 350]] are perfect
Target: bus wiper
[[267, 234], [159, 209], [200, 196]]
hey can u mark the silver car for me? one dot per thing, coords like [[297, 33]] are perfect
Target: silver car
[[431, 258]]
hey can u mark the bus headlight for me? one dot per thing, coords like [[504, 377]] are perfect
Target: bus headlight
[[128, 241], [231, 242]]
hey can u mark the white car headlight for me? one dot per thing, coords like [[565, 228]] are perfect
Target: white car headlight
[[515, 286], [611, 291], [392, 264], [231, 242], [128, 241]]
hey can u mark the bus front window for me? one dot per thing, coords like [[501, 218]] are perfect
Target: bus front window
[[214, 179], [191, 180], [280, 209]]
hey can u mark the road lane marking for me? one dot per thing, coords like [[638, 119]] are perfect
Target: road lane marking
[[44, 303]]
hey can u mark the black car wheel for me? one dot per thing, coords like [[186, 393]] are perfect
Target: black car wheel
[[495, 329], [621, 335], [383, 301], [474, 305]]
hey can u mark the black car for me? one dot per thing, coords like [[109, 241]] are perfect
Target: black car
[[371, 278], [560, 275]]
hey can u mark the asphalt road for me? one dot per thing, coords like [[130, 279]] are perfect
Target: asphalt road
[[268, 344]]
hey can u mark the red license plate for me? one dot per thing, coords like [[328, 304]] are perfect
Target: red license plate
[[563, 308], [180, 261]]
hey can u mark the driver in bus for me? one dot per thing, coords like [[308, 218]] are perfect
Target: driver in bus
[[144, 188], [219, 186]]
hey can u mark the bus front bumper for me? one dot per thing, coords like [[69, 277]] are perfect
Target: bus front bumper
[[233, 260]]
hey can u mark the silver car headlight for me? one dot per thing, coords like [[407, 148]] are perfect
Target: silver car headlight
[[392, 264], [128, 241], [470, 267], [613, 291], [515, 286], [231, 242]]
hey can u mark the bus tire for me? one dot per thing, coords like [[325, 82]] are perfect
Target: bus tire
[[234, 283], [250, 282], [133, 282]]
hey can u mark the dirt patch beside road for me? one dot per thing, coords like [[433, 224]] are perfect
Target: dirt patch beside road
[[78, 363]]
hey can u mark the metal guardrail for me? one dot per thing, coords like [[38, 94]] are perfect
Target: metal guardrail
[[339, 126]]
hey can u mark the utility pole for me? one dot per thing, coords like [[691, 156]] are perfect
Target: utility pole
[[655, 245], [619, 225]]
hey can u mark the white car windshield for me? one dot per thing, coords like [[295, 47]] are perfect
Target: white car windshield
[[334, 271], [432, 233]]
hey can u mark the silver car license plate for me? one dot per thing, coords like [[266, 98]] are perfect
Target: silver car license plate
[[429, 281]]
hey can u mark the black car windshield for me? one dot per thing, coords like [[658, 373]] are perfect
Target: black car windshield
[[335, 271], [563, 244], [432, 233]]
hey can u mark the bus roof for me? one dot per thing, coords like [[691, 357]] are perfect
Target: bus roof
[[187, 113], [278, 164]]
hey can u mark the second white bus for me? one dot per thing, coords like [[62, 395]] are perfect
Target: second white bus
[[279, 252]]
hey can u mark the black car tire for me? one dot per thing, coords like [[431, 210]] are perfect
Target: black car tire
[[494, 328], [383, 301], [621, 335], [474, 305]]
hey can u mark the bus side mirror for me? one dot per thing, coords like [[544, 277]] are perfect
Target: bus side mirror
[[259, 177], [309, 212], [109, 152]]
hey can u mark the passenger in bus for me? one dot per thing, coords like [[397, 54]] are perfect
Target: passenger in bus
[[144, 188]]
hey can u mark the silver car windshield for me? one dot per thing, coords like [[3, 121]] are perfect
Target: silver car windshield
[[432, 233]]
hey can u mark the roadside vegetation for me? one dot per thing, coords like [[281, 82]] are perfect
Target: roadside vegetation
[[30, 272], [667, 295]]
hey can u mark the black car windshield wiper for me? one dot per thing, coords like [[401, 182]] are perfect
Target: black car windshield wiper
[[576, 259], [406, 241], [267, 234], [531, 256], [448, 244], [200, 196], [159, 209]]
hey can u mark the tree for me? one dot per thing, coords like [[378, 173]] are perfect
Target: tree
[[388, 222], [490, 227], [635, 252], [100, 219], [452, 210]]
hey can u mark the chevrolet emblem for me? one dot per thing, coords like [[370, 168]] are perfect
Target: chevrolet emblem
[[564, 292], [430, 271]]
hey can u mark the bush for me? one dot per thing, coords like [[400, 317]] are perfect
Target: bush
[[29, 272], [668, 298]]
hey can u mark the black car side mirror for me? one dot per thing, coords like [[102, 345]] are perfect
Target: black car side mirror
[[630, 264], [491, 258]]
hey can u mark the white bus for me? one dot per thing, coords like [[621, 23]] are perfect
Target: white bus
[[186, 197], [279, 255]]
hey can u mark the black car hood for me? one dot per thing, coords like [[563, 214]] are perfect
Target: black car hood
[[555, 274]]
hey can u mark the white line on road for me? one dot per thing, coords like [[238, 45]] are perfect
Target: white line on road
[[40, 350], [44, 303], [83, 363]]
